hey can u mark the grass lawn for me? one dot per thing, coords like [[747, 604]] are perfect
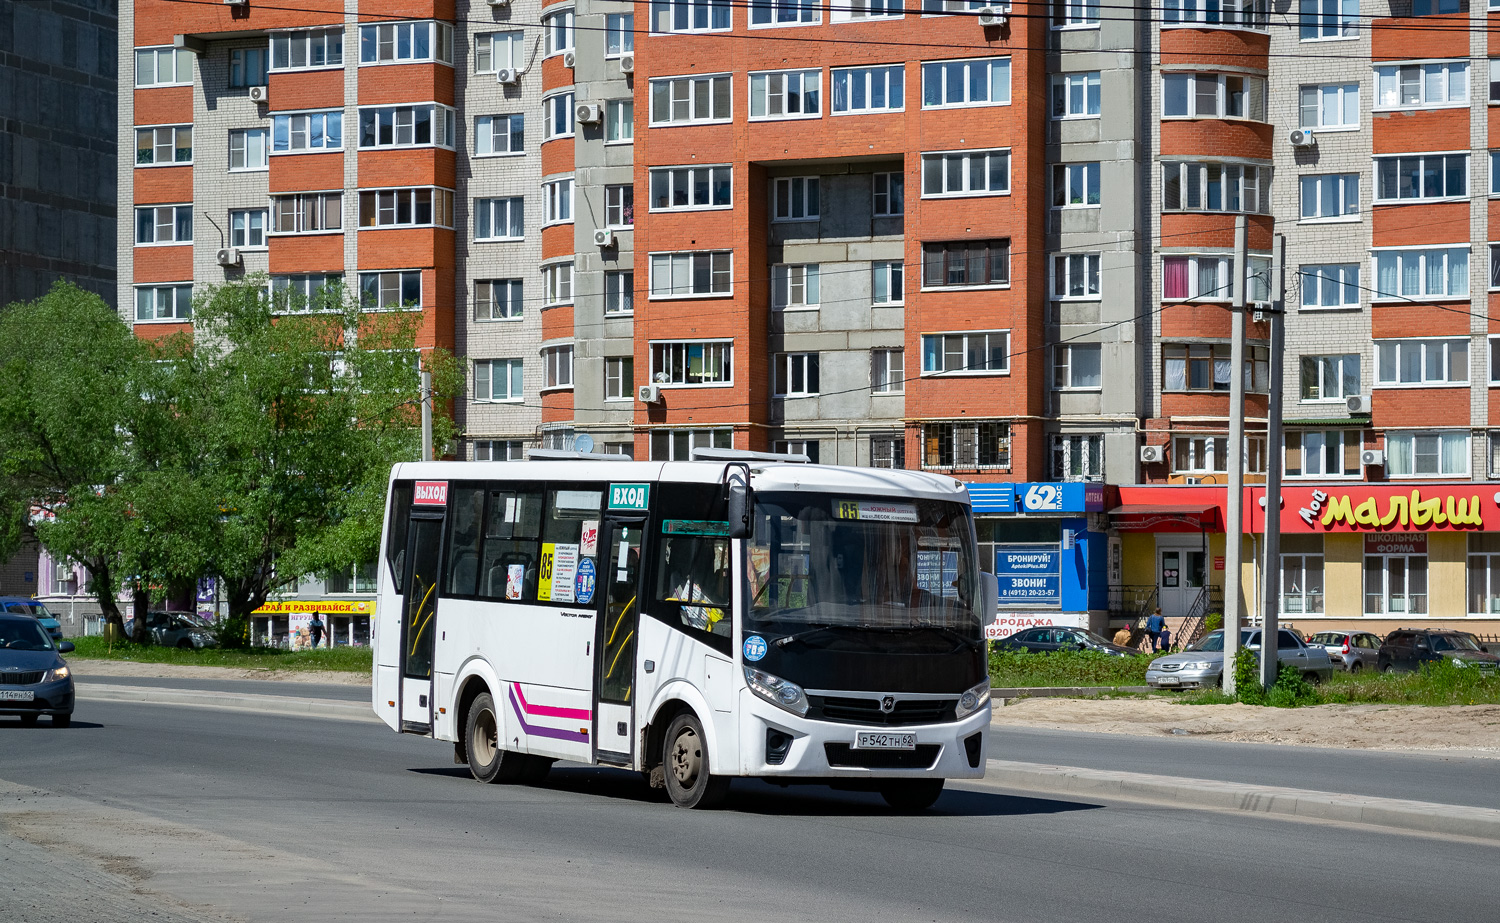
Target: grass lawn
[[343, 659]]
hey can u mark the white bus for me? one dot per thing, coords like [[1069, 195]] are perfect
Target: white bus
[[735, 615]]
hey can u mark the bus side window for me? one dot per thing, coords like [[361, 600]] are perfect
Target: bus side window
[[695, 570], [465, 512], [570, 533], [395, 543], [512, 550]]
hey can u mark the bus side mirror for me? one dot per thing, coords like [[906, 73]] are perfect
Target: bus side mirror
[[740, 505], [989, 597]]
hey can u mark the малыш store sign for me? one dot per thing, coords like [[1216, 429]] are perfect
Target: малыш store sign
[[1390, 508]]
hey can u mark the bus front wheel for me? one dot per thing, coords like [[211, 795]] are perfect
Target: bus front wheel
[[690, 782], [487, 761], [911, 794]]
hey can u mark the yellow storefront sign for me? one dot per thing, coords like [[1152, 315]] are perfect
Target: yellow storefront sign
[[321, 606], [1401, 510]]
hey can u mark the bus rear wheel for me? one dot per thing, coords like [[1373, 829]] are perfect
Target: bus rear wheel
[[690, 782], [487, 761], [911, 794]]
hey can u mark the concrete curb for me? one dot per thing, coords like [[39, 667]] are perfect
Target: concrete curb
[[1005, 694], [1419, 816], [265, 704]]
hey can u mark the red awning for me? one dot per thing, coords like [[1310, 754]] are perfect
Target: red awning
[[1166, 517]]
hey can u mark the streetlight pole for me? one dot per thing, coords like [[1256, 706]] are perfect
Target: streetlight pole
[[426, 413], [1270, 660], [1233, 526]]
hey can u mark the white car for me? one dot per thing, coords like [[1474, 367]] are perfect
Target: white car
[[1202, 665]]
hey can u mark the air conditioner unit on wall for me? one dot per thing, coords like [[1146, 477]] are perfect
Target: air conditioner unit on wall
[[1301, 137], [229, 256], [627, 63], [569, 58], [260, 94], [234, 2], [1151, 454], [499, 2], [993, 16], [648, 394], [1357, 403], [588, 113], [604, 237], [508, 75], [62, 572], [1373, 457]]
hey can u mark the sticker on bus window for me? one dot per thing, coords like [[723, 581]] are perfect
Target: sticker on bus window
[[588, 542], [693, 527], [874, 511], [560, 564], [515, 578], [584, 591], [629, 496]]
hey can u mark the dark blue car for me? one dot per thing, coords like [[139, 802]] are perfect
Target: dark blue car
[[20, 605], [34, 679]]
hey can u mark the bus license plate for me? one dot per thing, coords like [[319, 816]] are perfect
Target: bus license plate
[[16, 695], [882, 740]]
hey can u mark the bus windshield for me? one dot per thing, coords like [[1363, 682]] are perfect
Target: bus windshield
[[827, 560]]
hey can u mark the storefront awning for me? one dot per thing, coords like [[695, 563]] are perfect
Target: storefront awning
[[1165, 517]]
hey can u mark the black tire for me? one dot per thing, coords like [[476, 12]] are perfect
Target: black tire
[[1389, 669], [29, 720], [184, 645], [487, 761], [1357, 666], [61, 721], [535, 770], [911, 794], [684, 759], [1312, 678]]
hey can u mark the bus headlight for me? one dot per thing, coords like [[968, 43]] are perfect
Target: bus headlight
[[779, 692], [973, 700]]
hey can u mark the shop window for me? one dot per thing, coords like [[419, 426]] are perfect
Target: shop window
[[1396, 584], [1484, 574], [1302, 575]]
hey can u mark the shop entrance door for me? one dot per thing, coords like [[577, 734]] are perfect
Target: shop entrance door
[[1180, 573]]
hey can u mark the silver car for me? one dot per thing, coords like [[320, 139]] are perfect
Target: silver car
[[1350, 651], [1202, 664]]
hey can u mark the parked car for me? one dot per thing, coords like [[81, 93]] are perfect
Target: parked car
[[20, 605], [1202, 664], [1351, 651], [34, 679], [1406, 649], [178, 629], [1055, 638]]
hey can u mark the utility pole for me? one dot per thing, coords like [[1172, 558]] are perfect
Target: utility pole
[[1233, 527], [426, 412], [1270, 660]]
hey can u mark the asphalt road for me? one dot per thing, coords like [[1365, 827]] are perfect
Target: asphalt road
[[198, 814]]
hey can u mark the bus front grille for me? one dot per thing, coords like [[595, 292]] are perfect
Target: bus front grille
[[868, 711], [843, 756]]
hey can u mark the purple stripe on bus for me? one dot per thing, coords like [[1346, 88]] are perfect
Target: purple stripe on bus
[[536, 731]]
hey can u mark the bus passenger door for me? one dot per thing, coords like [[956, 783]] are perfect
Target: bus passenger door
[[419, 621], [614, 661]]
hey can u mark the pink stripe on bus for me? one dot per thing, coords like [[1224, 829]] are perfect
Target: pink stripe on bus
[[551, 711]]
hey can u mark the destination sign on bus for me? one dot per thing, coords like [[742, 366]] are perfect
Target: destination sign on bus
[[872, 511], [629, 496]]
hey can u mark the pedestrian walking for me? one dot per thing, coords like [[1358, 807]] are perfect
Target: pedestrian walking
[[315, 628], [1155, 625], [1166, 640]]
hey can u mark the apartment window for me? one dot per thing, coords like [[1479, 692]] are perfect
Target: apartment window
[[619, 291], [1494, 266], [1075, 14], [619, 34], [974, 82], [691, 273], [1213, 96], [557, 117], [888, 371], [1075, 367], [1207, 367], [1075, 185], [557, 367], [391, 290], [1494, 455], [1421, 362], [1330, 378], [1077, 457], [497, 380], [856, 10], [888, 451], [794, 286], [678, 444], [619, 121], [405, 42], [963, 173], [1422, 86], [164, 302], [500, 134], [784, 12], [307, 212], [689, 15], [681, 188], [887, 282], [495, 51], [1330, 453], [689, 100], [619, 378], [1075, 275], [619, 206], [1333, 285], [1075, 96], [303, 292], [247, 229], [423, 206], [499, 219], [1494, 173], [308, 131], [1436, 273], [985, 353], [1215, 187], [966, 445], [247, 67], [807, 447], [247, 149], [164, 224], [406, 126], [1328, 19], [795, 198], [557, 284], [796, 374], [1435, 7], [163, 67], [786, 95], [869, 89], [1242, 14], [966, 263], [1421, 176], [1200, 454], [305, 49], [557, 202], [1494, 361], [890, 195], [1330, 195], [498, 299], [693, 363], [1185, 277], [557, 32], [1418, 454], [165, 146], [1332, 106]]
